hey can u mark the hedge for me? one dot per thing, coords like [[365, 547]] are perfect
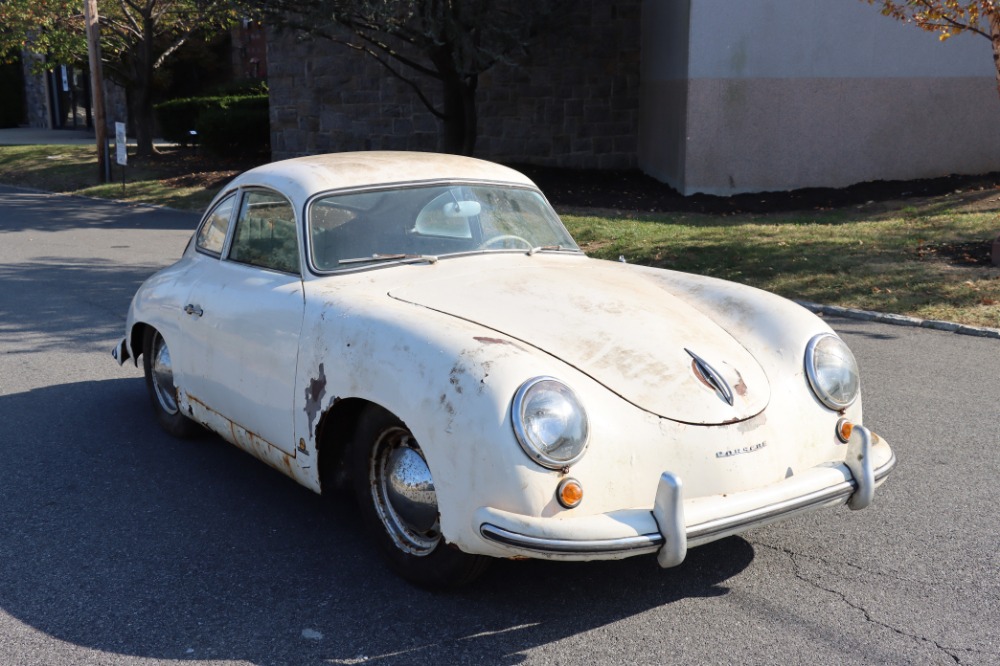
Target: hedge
[[225, 124]]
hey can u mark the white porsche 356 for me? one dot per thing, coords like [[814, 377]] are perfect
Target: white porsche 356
[[422, 328]]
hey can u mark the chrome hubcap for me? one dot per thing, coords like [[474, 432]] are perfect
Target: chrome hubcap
[[163, 375], [404, 494]]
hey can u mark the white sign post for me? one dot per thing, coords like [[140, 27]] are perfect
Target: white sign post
[[120, 144], [121, 150]]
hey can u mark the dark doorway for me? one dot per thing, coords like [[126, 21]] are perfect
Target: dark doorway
[[69, 91]]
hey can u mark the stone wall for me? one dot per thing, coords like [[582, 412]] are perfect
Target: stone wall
[[574, 101], [36, 94]]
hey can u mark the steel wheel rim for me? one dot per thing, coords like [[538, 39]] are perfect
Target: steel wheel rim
[[162, 371], [412, 539]]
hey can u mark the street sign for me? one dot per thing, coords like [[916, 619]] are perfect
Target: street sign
[[120, 144]]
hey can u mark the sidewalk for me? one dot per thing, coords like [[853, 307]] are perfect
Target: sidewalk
[[33, 136]]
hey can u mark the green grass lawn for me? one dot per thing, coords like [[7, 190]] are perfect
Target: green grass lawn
[[884, 256], [878, 257], [178, 179]]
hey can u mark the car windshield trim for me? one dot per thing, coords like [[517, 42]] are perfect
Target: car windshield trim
[[364, 264], [417, 184]]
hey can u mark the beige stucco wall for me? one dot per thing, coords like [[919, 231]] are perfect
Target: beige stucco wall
[[783, 94]]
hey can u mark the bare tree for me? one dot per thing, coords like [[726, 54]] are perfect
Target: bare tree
[[451, 42]]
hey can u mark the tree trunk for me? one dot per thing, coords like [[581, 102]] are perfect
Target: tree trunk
[[140, 102], [460, 126], [141, 97], [994, 19]]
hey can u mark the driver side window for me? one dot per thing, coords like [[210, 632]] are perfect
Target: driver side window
[[266, 234]]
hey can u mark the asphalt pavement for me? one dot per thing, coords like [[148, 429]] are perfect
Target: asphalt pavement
[[120, 545]]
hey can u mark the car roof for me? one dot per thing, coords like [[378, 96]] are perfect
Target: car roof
[[302, 177]]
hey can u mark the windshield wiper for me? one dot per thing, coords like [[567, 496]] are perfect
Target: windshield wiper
[[407, 258], [551, 248]]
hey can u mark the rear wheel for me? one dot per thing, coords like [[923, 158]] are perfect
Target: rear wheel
[[398, 501], [159, 370]]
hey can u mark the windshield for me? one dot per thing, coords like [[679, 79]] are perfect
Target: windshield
[[348, 230]]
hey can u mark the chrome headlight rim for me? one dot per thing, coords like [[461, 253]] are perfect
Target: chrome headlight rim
[[522, 435], [815, 381]]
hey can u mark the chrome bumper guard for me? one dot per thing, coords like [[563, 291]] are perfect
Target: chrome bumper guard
[[674, 536], [120, 352]]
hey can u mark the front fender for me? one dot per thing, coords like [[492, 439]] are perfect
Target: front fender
[[450, 381]]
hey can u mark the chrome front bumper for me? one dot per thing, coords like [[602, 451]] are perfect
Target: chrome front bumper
[[667, 530]]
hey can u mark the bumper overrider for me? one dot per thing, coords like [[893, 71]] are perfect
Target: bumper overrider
[[674, 523]]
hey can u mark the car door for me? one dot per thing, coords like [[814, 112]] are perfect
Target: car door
[[242, 323]]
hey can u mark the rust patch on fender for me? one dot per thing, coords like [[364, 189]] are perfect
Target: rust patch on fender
[[741, 386], [496, 341], [314, 395], [490, 341]]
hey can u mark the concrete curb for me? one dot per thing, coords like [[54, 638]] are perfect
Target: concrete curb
[[901, 320]]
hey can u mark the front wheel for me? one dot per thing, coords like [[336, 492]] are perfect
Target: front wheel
[[159, 370], [398, 502]]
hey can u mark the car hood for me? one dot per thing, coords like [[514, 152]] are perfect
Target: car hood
[[627, 333]]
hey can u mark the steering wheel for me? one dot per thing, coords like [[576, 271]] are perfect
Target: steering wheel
[[496, 240]]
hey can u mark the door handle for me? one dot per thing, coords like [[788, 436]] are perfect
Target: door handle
[[193, 310]]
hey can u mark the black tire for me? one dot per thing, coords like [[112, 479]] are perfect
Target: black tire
[[407, 531], [160, 385]]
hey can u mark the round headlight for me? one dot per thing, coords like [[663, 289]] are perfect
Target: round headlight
[[832, 371], [549, 422]]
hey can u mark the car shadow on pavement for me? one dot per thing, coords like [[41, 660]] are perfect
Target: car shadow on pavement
[[119, 539]]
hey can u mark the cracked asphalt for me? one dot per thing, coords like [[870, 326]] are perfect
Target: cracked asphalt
[[119, 545]]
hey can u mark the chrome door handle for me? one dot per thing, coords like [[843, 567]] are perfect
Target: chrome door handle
[[193, 310]]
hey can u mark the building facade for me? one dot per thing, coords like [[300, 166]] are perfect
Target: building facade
[[783, 94], [573, 101], [709, 96]]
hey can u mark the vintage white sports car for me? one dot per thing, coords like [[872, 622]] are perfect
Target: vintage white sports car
[[422, 328]]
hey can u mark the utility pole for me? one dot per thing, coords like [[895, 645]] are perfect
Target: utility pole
[[97, 86]]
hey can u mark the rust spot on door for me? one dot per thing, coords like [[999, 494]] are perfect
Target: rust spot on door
[[314, 395]]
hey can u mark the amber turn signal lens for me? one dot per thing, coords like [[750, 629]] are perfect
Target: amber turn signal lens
[[844, 430], [569, 493]]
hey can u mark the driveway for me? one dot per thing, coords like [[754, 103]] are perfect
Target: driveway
[[120, 545]]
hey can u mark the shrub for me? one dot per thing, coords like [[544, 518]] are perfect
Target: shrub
[[224, 123], [178, 117], [241, 128]]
